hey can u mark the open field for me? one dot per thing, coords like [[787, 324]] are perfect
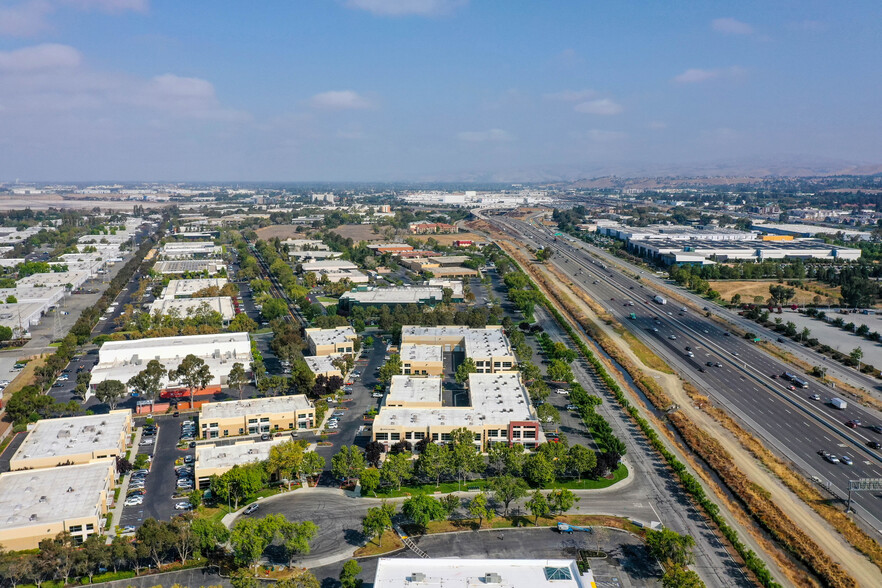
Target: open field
[[449, 239], [281, 231], [750, 288], [359, 233], [46, 201]]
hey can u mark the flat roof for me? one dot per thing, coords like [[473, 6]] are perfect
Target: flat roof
[[187, 245], [73, 435], [487, 342], [188, 306], [328, 264], [809, 229], [396, 295], [35, 498], [454, 285], [451, 259], [169, 347], [410, 389], [320, 364], [227, 456], [190, 287], [451, 572], [415, 352], [236, 408], [331, 336], [188, 265]]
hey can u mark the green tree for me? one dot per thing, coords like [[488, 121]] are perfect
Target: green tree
[[348, 463], [242, 323], [396, 469], [678, 577], [538, 470], [249, 538], [312, 464], [392, 367], [580, 459], [478, 508], [148, 382], [274, 308], [434, 462], [82, 387], [285, 458], [529, 371], [5, 333], [538, 506], [422, 509], [377, 520], [856, 355], [238, 483], [110, 392], [295, 536], [464, 369], [561, 500], [465, 457], [559, 371], [243, 578], [670, 547], [349, 575], [193, 373], [210, 535], [547, 413], [507, 489], [370, 481], [238, 378]]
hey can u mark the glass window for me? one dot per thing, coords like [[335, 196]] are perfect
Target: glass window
[[75, 528], [419, 435], [395, 436], [529, 433], [445, 436], [382, 436], [434, 436]]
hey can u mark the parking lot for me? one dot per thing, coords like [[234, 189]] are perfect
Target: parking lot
[[160, 483]]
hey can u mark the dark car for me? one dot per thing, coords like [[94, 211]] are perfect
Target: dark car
[[709, 364], [874, 445], [265, 437], [876, 428]]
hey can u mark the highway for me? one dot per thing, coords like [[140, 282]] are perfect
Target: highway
[[788, 420]]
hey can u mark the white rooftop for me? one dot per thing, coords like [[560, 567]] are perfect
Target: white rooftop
[[320, 364], [328, 264], [410, 389], [475, 573], [331, 336], [177, 288], [236, 408], [413, 352], [32, 498], [189, 265], [185, 307], [173, 347], [227, 456], [73, 435], [489, 342], [396, 295]]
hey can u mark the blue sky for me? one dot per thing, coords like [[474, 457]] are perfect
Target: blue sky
[[430, 89]]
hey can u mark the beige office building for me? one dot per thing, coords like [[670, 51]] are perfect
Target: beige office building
[[489, 348], [331, 341], [499, 411], [215, 460], [422, 360], [323, 365], [40, 504], [73, 440], [256, 416]]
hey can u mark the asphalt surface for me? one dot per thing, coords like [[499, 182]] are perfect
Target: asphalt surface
[[788, 420]]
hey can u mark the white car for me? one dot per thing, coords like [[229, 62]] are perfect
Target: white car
[[376, 394], [332, 426], [563, 391], [183, 506], [134, 501]]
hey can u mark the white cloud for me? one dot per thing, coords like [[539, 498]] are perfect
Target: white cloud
[[44, 57], [340, 100], [407, 7], [488, 136], [731, 26], [571, 95], [601, 106], [696, 75], [31, 17]]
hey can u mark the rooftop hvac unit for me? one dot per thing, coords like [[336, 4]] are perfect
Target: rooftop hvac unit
[[417, 577], [492, 578]]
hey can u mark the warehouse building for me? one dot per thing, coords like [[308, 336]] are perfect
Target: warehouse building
[[453, 572], [40, 504], [73, 440], [209, 266], [256, 416], [498, 411], [676, 233], [186, 288], [184, 307], [394, 296], [20, 317], [708, 252], [331, 341], [120, 360], [190, 250]]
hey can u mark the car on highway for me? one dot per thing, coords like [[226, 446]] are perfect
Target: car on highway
[[816, 397], [688, 348], [709, 364], [672, 337], [874, 445], [654, 330], [735, 353], [718, 364], [853, 423], [690, 354], [828, 456], [251, 508], [846, 460], [875, 428]]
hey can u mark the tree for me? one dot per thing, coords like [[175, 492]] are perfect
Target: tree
[[559, 371], [507, 489], [538, 506], [670, 547], [110, 392], [312, 464], [295, 536], [347, 463], [5, 333], [370, 480], [392, 367], [529, 371], [373, 451], [95, 554], [450, 502], [377, 520], [285, 458], [242, 323], [243, 578], [192, 373], [464, 369], [184, 540], [210, 535], [82, 387], [547, 413], [396, 469], [238, 483], [422, 509], [148, 382], [249, 538], [155, 538], [237, 378], [434, 462], [561, 500], [538, 470], [349, 575], [465, 457], [274, 308], [856, 355], [258, 369], [677, 577], [580, 459], [478, 508]]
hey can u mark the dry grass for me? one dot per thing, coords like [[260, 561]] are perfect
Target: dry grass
[[25, 377], [389, 541], [750, 288], [448, 239], [645, 355], [360, 233], [281, 231]]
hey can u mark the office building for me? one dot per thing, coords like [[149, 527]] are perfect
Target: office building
[[256, 416], [331, 341], [456, 572], [489, 348]]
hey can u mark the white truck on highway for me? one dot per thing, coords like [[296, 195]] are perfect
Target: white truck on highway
[[659, 299], [838, 403]]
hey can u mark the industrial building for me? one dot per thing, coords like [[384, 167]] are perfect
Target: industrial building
[[394, 296], [186, 288], [454, 572], [193, 266], [190, 250], [801, 230], [40, 504], [120, 360], [708, 252], [72, 440], [489, 348], [331, 341], [675, 233], [184, 307], [255, 416]]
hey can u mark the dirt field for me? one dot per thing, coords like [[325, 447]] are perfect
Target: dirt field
[[360, 233], [749, 289], [281, 231], [449, 239]]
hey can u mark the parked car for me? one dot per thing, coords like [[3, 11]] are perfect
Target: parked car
[[251, 508], [572, 407], [183, 506], [376, 394], [189, 459]]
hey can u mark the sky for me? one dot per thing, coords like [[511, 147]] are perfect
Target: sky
[[386, 90]]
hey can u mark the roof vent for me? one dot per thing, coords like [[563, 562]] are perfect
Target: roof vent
[[492, 578], [417, 577], [33, 517], [70, 489]]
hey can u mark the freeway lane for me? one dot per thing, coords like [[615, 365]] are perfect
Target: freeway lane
[[795, 426]]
